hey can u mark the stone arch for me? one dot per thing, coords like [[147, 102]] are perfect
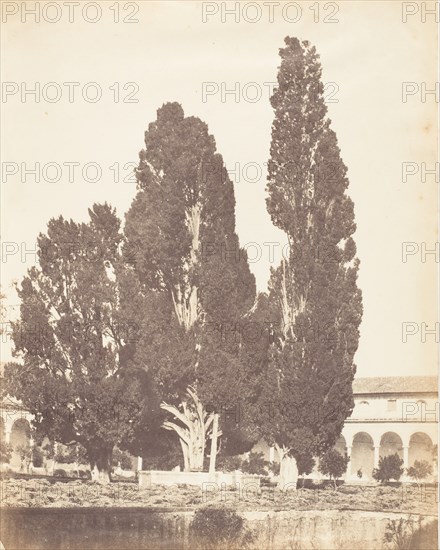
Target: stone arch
[[420, 448], [391, 443], [362, 455], [21, 433], [20, 437]]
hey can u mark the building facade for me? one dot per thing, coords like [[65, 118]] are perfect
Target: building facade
[[391, 415]]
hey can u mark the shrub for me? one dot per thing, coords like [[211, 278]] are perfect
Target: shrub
[[406, 534], [390, 467], [37, 457], [171, 457], [122, 457], [421, 470], [5, 452], [84, 474], [25, 454], [60, 473], [48, 450], [333, 464], [255, 464], [229, 463], [215, 528], [68, 454], [399, 533], [305, 466], [7, 473]]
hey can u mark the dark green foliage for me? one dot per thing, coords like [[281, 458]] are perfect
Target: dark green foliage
[[420, 470], [183, 184], [159, 448], [59, 472], [239, 436], [255, 464], [193, 279], [213, 528], [305, 464], [390, 467], [48, 450], [68, 454], [333, 464], [229, 463], [74, 336], [37, 457], [122, 458], [5, 452], [314, 304], [408, 534]]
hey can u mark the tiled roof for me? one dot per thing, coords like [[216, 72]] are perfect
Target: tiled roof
[[396, 384]]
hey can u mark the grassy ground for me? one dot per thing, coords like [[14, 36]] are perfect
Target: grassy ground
[[51, 493]]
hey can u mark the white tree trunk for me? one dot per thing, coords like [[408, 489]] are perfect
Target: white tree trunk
[[192, 426], [55, 450], [185, 455], [185, 293], [214, 439], [196, 451], [100, 464], [288, 477], [100, 476]]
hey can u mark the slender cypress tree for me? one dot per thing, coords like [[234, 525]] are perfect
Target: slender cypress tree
[[315, 304]]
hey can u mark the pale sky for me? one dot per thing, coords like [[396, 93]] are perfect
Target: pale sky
[[366, 54]]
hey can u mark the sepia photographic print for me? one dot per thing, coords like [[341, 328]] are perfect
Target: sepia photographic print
[[219, 275]]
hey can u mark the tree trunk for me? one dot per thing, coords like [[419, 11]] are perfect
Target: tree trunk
[[288, 471], [192, 425], [100, 465], [214, 438], [55, 450], [185, 455], [196, 452]]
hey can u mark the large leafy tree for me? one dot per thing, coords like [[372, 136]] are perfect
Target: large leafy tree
[[193, 275], [75, 336], [314, 302]]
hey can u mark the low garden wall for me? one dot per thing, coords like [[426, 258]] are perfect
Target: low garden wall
[[148, 478], [144, 529]]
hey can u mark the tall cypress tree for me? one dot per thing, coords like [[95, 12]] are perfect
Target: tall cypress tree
[[74, 338], [315, 303], [194, 276]]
